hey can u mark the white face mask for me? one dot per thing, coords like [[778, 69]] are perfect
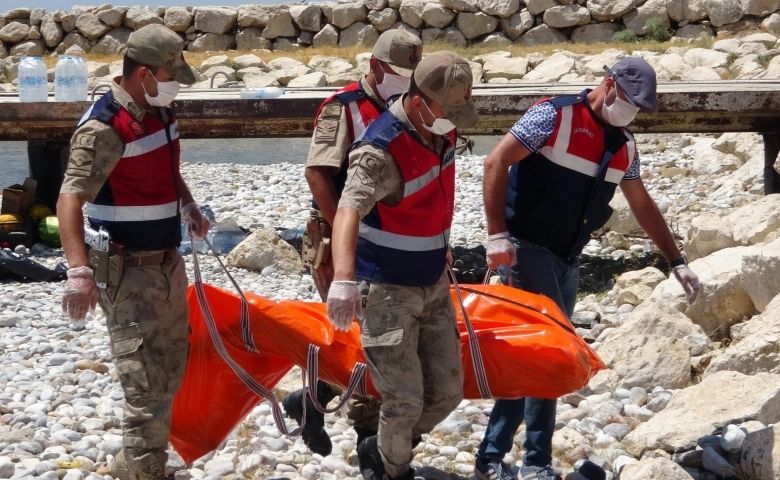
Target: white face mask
[[620, 113], [392, 84], [441, 126], [166, 93]]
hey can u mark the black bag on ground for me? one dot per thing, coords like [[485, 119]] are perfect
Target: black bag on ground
[[21, 268]]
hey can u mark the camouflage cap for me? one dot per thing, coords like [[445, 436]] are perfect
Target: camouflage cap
[[400, 49], [445, 78], [157, 46]]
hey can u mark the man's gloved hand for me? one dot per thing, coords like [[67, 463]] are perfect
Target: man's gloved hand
[[688, 280], [197, 223], [81, 293], [344, 302], [500, 251]]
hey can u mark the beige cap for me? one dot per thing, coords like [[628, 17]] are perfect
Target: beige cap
[[445, 78], [157, 46], [400, 49]]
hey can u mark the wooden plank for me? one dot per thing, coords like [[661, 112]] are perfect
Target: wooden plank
[[703, 107]]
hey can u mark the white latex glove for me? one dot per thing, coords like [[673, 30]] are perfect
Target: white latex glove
[[197, 223], [688, 280], [344, 303], [500, 251], [81, 294]]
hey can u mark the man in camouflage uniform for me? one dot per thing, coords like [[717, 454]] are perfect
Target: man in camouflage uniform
[[124, 163], [341, 119], [392, 231]]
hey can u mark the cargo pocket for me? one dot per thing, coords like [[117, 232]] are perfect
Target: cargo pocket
[[390, 338], [126, 351]]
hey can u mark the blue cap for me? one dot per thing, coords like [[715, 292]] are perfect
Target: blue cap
[[637, 80]]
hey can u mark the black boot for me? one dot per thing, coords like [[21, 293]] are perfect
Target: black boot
[[371, 465], [314, 435]]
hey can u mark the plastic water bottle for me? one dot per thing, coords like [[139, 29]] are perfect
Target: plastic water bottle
[[32, 80], [66, 82], [82, 74]]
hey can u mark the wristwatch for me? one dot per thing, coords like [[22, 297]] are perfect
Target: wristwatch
[[682, 260]]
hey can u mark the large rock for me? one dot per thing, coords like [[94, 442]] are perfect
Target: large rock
[[595, 33], [215, 61], [702, 57], [760, 454], [453, 36], [70, 40], [541, 35], [636, 19], [315, 79], [760, 276], [474, 25], [708, 233], [723, 300], [285, 69], [263, 249], [14, 32], [537, 7], [19, 13], [636, 286], [178, 19], [609, 57], [566, 16], [709, 162], [674, 66], [756, 348], [375, 4], [606, 10], [307, 17], [499, 8], [722, 12], [358, 34], [51, 31], [745, 145], [760, 8], [327, 37], [498, 67], [690, 10], [212, 42], [114, 42], [517, 24], [68, 21], [436, 15], [411, 12], [259, 80], [693, 31], [653, 348], [113, 17], [36, 15], [252, 39], [280, 24], [720, 399], [752, 223], [329, 65], [771, 24], [652, 468], [382, 19], [30, 48], [137, 17], [345, 14], [255, 15], [91, 27], [471, 6], [552, 69], [247, 61]]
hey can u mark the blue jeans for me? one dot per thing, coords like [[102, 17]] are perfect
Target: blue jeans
[[536, 270]]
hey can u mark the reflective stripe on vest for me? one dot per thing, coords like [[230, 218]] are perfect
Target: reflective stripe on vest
[[139, 202], [559, 149], [407, 244]]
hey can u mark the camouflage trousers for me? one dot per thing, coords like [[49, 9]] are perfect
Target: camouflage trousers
[[412, 349], [147, 319]]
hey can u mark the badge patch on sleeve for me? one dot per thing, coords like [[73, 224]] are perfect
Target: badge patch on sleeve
[[369, 170], [85, 141], [328, 123], [81, 162]]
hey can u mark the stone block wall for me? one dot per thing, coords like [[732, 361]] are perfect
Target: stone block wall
[[105, 29]]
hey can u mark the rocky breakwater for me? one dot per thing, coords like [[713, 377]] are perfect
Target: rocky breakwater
[[105, 28]]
